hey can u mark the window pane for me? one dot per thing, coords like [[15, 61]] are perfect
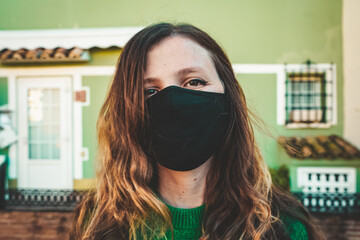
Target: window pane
[[305, 97], [33, 151], [43, 121]]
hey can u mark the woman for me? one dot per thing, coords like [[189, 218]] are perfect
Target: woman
[[177, 154]]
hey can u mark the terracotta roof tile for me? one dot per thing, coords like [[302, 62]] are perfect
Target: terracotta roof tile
[[41, 55], [320, 147]]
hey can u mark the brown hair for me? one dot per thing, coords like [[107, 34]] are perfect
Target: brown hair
[[248, 207]]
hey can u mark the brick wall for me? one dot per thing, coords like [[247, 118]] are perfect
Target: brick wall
[[339, 227], [16, 225]]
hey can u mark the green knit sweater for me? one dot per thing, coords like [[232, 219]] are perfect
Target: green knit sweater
[[187, 225]]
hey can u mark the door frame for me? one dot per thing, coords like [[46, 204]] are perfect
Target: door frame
[[76, 73], [64, 82]]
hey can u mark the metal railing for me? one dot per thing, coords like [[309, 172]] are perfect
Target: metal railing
[[335, 203], [42, 199], [3, 168], [67, 200]]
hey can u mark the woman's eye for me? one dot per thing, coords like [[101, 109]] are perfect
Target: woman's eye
[[196, 82], [149, 92]]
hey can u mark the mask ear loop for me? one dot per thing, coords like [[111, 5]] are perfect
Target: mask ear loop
[[227, 98], [147, 142], [223, 85], [229, 111]]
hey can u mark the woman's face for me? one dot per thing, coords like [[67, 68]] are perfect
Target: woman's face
[[179, 61]]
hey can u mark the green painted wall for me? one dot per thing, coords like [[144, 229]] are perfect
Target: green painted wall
[[104, 56], [3, 91], [259, 31], [98, 87], [263, 105], [3, 100]]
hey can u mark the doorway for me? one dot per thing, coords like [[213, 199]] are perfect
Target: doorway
[[44, 137]]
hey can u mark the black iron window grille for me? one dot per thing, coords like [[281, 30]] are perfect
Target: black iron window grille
[[335, 203], [309, 96], [41, 199]]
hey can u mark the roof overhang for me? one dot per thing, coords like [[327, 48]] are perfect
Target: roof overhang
[[67, 38]]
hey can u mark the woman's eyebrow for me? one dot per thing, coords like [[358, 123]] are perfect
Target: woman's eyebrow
[[188, 70], [182, 72], [150, 80]]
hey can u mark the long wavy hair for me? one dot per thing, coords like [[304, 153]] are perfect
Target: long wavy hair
[[123, 204]]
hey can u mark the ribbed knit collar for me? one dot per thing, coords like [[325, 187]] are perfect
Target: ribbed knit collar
[[186, 218]]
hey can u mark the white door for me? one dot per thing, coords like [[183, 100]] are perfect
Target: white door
[[44, 124]]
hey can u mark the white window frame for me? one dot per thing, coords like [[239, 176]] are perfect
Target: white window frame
[[280, 72], [330, 74]]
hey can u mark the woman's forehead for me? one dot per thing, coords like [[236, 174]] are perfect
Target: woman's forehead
[[176, 54]]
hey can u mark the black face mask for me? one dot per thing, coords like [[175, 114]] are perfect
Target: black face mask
[[186, 126]]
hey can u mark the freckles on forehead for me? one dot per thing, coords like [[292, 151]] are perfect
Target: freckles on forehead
[[175, 53]]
